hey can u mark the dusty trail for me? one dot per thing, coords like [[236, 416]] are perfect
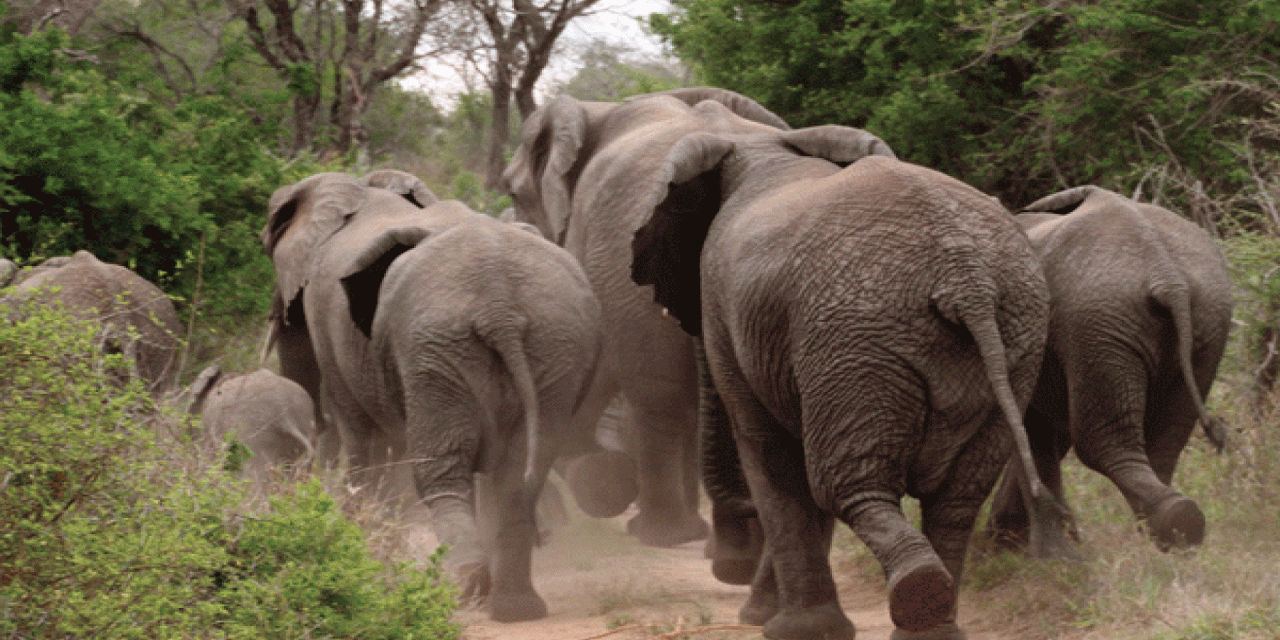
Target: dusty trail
[[596, 579]]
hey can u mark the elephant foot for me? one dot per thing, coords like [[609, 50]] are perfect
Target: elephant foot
[[517, 607], [823, 622], [948, 631], [473, 582], [604, 484], [1177, 523], [922, 596], [667, 532], [759, 609], [1009, 539], [737, 551], [1052, 531]]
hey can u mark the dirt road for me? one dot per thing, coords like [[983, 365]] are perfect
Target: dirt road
[[596, 579]]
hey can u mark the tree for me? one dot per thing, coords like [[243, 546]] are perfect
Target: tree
[[353, 48], [516, 47], [27, 16], [610, 72], [175, 193], [1018, 98]]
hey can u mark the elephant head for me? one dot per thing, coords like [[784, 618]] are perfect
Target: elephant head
[[301, 217], [557, 140], [199, 390], [694, 182]]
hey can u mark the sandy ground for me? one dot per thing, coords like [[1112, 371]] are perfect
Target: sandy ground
[[598, 582]]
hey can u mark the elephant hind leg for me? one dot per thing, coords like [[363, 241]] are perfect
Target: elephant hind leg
[[794, 593], [1175, 520], [1110, 418], [443, 432], [513, 598], [859, 447]]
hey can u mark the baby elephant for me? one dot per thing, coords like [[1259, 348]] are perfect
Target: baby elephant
[[1139, 315], [269, 414]]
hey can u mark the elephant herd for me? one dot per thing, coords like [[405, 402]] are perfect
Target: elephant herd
[[795, 320]]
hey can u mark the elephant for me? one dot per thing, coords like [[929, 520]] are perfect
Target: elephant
[[1140, 309], [264, 411], [8, 269], [138, 319], [11, 275], [871, 328], [583, 175], [445, 339]]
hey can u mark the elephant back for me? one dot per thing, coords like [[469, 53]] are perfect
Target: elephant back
[[268, 413], [125, 303]]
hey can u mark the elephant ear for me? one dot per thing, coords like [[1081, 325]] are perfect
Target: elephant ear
[[202, 386], [302, 216], [841, 145], [736, 102], [540, 177], [666, 250], [402, 183], [363, 278], [1064, 202]]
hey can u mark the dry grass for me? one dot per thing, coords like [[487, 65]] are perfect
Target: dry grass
[[1228, 588]]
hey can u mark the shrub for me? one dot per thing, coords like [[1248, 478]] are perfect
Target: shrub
[[111, 526]]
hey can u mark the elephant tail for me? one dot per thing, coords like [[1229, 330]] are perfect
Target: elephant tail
[[1177, 299], [1168, 288], [506, 338], [986, 333]]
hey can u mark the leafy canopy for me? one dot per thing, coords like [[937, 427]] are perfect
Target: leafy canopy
[[1017, 97], [175, 193]]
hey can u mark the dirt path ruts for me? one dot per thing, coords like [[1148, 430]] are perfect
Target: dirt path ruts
[[595, 579]]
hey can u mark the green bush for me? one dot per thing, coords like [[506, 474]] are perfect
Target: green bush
[[176, 193], [111, 526]]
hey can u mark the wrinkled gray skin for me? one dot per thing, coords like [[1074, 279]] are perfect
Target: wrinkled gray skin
[[870, 332], [266, 412], [124, 302], [7, 270], [444, 338], [1141, 308], [584, 175]]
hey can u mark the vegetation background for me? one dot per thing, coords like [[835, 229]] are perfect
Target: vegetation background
[[152, 132]]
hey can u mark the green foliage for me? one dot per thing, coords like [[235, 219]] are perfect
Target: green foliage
[[1255, 263], [111, 526], [1018, 98], [609, 74], [174, 193], [450, 157], [305, 570], [92, 538]]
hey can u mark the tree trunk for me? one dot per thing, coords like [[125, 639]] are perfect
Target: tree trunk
[[305, 109], [499, 131], [34, 15]]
